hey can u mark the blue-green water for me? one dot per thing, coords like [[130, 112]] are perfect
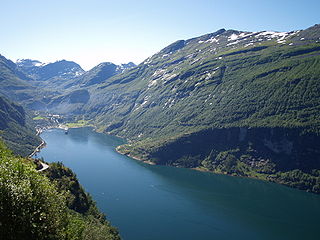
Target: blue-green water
[[158, 202]]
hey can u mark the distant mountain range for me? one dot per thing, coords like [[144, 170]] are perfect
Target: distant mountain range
[[41, 72], [38, 85], [66, 74], [235, 102]]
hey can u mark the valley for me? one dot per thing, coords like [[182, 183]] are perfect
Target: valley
[[161, 202], [181, 106], [231, 102]]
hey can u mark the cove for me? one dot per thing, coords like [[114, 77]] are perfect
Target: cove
[[159, 202]]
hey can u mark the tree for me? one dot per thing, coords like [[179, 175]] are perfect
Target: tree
[[30, 206]]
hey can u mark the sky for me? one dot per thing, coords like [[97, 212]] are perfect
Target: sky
[[93, 31]]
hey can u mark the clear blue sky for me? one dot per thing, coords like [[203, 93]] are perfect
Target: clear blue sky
[[93, 31]]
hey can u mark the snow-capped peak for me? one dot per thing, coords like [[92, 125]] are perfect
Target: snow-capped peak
[[30, 63]]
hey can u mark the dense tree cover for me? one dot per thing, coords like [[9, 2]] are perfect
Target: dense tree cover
[[76, 197], [297, 178], [288, 156], [30, 206], [34, 207]]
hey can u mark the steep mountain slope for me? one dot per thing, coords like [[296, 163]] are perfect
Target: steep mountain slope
[[222, 79], [16, 129], [12, 81], [228, 79], [70, 102]]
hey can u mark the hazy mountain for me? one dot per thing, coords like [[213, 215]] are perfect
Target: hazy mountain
[[102, 73], [53, 87], [52, 75], [16, 86], [67, 74], [41, 71]]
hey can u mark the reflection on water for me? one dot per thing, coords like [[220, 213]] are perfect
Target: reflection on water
[[159, 202]]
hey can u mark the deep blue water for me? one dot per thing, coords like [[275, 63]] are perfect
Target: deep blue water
[[159, 202]]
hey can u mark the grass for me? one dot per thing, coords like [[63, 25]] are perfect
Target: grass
[[78, 124], [39, 118]]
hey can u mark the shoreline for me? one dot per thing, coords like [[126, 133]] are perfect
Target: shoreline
[[43, 143], [135, 158], [38, 148], [200, 169]]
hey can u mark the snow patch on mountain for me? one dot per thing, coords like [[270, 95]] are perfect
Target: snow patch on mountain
[[233, 37]]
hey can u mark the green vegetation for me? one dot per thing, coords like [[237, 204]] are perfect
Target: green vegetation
[[16, 128], [16, 86], [79, 123], [208, 83], [243, 91], [33, 206], [227, 80], [38, 118], [30, 206], [271, 154], [299, 179]]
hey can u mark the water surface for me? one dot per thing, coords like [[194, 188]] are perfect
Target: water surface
[[158, 202]]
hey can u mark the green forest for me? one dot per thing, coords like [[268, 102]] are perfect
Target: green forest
[[47, 205]]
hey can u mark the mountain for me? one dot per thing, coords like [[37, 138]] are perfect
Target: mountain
[[35, 204], [68, 80], [225, 78], [18, 86], [259, 88], [52, 75], [16, 128], [102, 72], [12, 81], [235, 102], [75, 94], [29, 66], [41, 71], [67, 74]]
